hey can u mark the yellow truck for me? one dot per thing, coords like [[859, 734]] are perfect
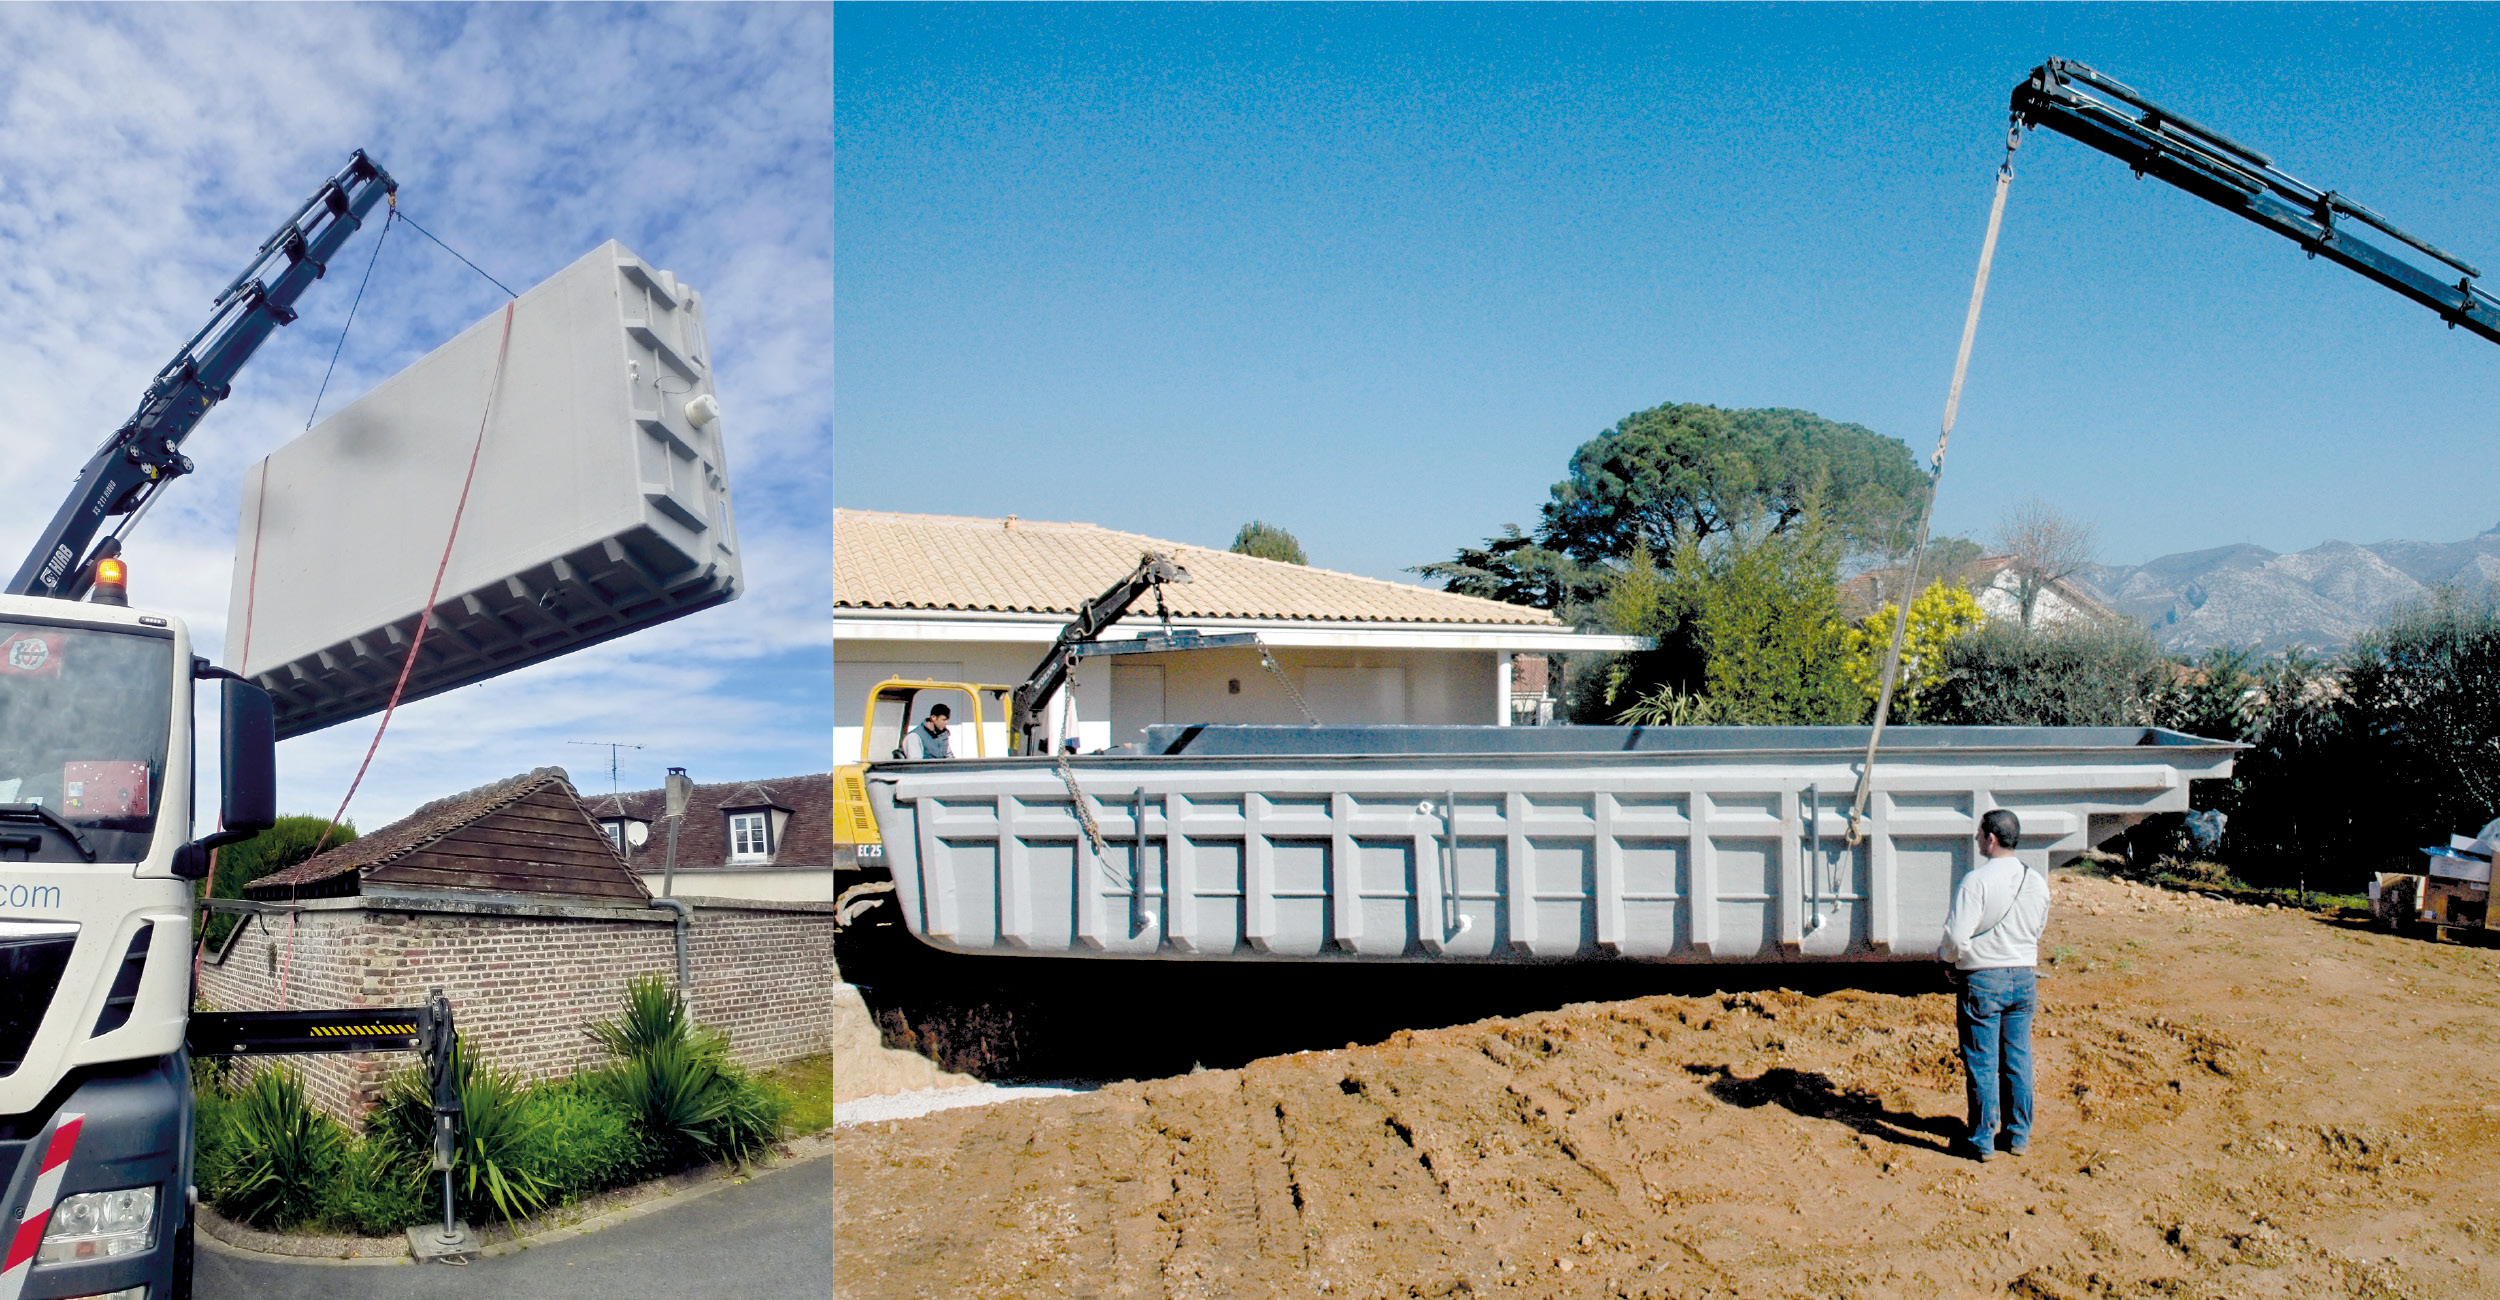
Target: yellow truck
[[892, 707], [896, 702]]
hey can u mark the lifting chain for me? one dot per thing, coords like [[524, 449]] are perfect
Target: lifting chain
[[1268, 662], [1083, 805]]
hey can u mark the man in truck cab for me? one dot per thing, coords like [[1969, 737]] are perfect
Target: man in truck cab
[[929, 739]]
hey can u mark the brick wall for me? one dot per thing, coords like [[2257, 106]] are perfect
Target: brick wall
[[524, 980]]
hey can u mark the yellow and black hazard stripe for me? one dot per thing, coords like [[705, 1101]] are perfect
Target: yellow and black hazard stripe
[[358, 1031]]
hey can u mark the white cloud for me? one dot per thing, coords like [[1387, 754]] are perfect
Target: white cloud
[[146, 151]]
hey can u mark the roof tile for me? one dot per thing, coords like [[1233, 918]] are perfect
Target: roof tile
[[906, 561], [403, 847], [703, 839]]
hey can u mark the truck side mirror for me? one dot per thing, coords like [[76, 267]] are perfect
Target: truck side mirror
[[248, 762], [247, 753]]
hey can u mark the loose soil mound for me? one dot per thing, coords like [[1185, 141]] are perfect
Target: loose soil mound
[[2233, 1102]]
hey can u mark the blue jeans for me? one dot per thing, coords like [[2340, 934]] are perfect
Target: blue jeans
[[1995, 1010]]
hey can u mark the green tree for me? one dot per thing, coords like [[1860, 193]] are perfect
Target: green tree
[[1640, 601], [283, 845], [2422, 698], [1696, 470], [1749, 630], [1949, 558], [1515, 569], [1268, 542], [1766, 614], [2289, 799], [2353, 764]]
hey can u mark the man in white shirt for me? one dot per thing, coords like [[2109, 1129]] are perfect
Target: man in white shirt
[[1992, 937], [929, 739]]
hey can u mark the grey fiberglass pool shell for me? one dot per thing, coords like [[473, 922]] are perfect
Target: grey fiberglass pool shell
[[1500, 844]]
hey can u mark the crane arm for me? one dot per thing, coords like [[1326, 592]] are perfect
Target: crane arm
[[1024, 707], [145, 454], [2075, 101]]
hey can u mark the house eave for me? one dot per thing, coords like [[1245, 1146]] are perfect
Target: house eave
[[1012, 628]]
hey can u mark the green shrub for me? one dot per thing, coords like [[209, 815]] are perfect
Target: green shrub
[[265, 1156], [2354, 763], [756, 1117], [496, 1137], [274, 1156], [2421, 703], [288, 841], [583, 1139], [690, 1105], [1666, 706], [212, 1137], [546, 1144], [673, 1078], [671, 1098], [1748, 631], [2070, 675], [1268, 542], [381, 1188], [654, 1015]]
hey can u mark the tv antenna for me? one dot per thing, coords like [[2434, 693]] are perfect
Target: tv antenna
[[613, 747]]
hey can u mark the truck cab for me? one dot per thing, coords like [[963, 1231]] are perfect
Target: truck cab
[[97, 864], [894, 706]]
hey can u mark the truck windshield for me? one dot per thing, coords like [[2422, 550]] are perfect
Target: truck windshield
[[84, 717]]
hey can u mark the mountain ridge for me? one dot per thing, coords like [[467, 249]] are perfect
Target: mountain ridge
[[2244, 594]]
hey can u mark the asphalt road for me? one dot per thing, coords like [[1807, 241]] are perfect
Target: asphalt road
[[772, 1236]]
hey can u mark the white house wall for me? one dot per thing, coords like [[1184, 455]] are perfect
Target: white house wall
[[1416, 685], [745, 884], [2001, 600], [1433, 686], [859, 665]]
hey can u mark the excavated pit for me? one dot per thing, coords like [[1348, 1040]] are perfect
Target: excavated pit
[[2234, 1101]]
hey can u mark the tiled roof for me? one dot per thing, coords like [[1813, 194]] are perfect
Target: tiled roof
[[703, 841], [944, 562], [430, 821], [523, 834]]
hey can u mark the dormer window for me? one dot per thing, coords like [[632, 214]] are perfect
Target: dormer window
[[751, 836], [626, 833]]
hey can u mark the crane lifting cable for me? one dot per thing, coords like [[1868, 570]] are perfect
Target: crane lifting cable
[[1927, 499]]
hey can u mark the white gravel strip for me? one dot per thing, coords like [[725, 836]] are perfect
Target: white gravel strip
[[912, 1105]]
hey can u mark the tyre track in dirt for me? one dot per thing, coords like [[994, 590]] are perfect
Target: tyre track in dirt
[[2233, 1102]]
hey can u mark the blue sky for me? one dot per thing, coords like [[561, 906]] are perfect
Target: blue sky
[[145, 151], [1371, 273]]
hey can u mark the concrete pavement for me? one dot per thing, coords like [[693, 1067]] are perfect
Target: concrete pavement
[[770, 1236]]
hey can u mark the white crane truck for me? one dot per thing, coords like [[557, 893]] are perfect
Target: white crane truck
[[97, 853]]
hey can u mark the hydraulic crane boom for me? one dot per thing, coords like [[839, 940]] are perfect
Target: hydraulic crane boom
[[145, 454], [1102, 611], [2073, 100]]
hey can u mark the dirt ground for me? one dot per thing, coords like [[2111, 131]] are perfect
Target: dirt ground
[[2233, 1101]]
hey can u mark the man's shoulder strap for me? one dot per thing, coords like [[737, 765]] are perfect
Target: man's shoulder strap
[[1992, 917]]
